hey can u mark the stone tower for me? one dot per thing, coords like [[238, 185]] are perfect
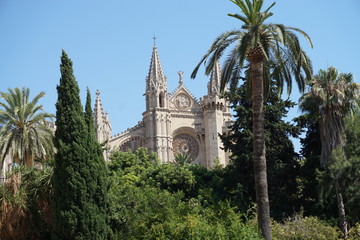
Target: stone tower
[[157, 116], [216, 115]]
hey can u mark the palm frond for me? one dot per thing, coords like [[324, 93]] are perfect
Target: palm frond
[[218, 46]]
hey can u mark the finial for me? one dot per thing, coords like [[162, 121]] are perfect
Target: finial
[[154, 40], [97, 92], [180, 77]]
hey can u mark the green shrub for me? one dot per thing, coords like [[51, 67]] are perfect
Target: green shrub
[[152, 213], [304, 228], [354, 233], [25, 211]]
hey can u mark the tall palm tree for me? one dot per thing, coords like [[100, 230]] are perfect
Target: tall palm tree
[[265, 51], [24, 131], [331, 98]]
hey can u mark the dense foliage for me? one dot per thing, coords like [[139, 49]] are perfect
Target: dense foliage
[[152, 201], [25, 198]]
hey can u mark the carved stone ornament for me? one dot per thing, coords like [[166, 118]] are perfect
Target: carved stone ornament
[[185, 143], [182, 101]]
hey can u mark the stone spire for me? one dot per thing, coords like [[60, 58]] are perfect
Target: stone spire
[[101, 121], [156, 79], [98, 110], [215, 79], [156, 85]]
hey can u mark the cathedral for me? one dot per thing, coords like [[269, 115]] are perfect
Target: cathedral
[[173, 122]]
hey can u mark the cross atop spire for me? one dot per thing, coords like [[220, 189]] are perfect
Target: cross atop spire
[[154, 40]]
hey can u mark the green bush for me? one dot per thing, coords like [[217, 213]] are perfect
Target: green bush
[[152, 213], [25, 211], [354, 233], [304, 228]]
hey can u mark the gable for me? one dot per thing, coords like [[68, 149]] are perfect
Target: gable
[[182, 100]]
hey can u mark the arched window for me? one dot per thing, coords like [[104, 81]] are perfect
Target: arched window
[[161, 100]]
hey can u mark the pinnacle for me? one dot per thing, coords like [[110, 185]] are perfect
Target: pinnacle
[[156, 76], [214, 84]]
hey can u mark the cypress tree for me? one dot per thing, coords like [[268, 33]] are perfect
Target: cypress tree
[[79, 190], [281, 157], [99, 173]]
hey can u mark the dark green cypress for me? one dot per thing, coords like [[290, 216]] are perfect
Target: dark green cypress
[[100, 179], [282, 161], [79, 190]]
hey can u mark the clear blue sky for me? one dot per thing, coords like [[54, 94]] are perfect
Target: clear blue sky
[[110, 43]]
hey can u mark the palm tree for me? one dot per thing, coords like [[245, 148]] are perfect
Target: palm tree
[[264, 51], [331, 98], [183, 159], [24, 131]]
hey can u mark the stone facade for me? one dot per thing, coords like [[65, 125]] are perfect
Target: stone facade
[[173, 122]]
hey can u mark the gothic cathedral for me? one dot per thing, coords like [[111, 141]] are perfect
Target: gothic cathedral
[[173, 122]]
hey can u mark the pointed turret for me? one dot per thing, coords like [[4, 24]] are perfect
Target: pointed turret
[[98, 110], [215, 79], [156, 78], [216, 114], [101, 121], [156, 84]]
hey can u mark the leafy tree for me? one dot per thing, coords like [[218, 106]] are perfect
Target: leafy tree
[[80, 178], [281, 157], [151, 201], [345, 171], [24, 131], [332, 96], [267, 51], [310, 164], [143, 169]]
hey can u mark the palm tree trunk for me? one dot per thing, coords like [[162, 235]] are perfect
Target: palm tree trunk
[[259, 159], [341, 209]]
